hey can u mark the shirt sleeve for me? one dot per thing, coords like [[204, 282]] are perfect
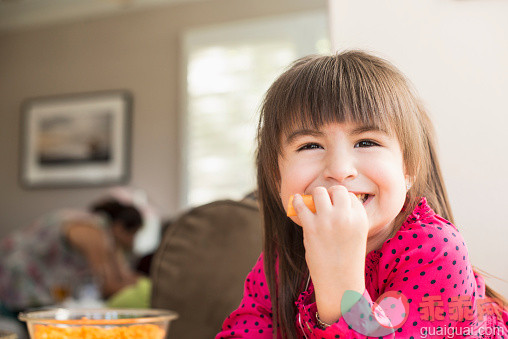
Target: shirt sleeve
[[357, 323], [429, 264], [427, 288], [253, 318]]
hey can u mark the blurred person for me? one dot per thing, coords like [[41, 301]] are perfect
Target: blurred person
[[66, 249]]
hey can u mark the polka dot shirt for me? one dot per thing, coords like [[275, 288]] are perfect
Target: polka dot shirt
[[427, 261]]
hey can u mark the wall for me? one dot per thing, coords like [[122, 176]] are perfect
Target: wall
[[456, 53], [136, 51]]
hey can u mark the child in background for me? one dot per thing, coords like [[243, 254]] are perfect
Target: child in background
[[349, 130]]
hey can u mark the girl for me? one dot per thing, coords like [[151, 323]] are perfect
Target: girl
[[348, 130]]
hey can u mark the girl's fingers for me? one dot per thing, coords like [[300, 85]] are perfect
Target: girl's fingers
[[321, 199], [302, 211], [355, 201], [338, 194]]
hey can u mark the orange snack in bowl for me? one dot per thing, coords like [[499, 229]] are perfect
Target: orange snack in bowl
[[145, 331], [307, 199]]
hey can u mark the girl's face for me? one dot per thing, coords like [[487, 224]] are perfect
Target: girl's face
[[365, 161]]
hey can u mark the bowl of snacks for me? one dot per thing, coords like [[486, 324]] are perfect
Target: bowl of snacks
[[98, 323]]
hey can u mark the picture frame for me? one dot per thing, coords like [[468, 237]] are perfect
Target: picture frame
[[76, 140]]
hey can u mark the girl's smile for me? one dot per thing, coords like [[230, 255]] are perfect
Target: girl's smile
[[366, 161]]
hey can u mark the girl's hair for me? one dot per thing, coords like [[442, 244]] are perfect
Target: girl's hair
[[127, 215], [351, 86]]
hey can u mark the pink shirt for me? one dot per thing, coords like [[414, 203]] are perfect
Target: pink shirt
[[427, 260]]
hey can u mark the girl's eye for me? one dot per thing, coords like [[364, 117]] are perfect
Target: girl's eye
[[366, 143], [309, 146]]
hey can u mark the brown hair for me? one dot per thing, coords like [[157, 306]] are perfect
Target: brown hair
[[351, 86]]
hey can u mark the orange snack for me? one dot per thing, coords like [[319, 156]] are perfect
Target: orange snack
[[307, 199], [146, 331]]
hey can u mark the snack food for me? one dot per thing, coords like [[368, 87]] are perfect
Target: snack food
[[307, 199], [145, 331], [101, 323]]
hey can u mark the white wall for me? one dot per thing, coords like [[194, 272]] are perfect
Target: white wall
[[456, 54]]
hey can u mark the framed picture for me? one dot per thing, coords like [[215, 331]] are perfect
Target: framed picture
[[76, 140]]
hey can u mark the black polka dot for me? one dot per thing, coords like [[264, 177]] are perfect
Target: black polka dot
[[431, 235], [415, 287], [432, 281], [415, 235]]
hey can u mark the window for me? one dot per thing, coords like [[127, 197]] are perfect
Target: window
[[229, 68]]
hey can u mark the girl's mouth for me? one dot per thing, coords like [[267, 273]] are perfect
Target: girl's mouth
[[363, 197]]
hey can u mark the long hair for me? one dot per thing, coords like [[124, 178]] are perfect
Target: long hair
[[352, 86]]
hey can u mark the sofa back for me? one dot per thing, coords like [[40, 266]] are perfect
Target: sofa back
[[201, 264]]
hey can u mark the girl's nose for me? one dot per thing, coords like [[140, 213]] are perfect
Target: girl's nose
[[340, 166]]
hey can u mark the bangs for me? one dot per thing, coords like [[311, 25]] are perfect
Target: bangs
[[335, 90]]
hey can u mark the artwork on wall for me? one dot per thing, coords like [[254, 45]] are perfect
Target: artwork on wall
[[76, 140]]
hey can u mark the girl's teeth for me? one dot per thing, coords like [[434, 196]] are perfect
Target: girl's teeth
[[362, 197]]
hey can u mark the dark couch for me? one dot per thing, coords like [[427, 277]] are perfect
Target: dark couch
[[201, 264]]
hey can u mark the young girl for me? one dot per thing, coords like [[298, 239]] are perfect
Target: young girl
[[348, 130]]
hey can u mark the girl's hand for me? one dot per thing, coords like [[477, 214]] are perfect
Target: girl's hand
[[335, 240]]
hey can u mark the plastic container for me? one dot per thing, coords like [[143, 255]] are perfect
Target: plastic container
[[98, 323]]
